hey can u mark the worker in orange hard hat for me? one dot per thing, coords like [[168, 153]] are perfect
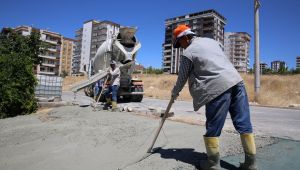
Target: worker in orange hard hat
[[179, 32], [214, 82]]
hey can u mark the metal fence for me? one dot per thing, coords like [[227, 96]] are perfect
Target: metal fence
[[49, 86]]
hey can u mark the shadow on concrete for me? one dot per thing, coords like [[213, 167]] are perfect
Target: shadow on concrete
[[189, 156]]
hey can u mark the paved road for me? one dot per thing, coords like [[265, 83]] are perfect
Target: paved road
[[275, 122]]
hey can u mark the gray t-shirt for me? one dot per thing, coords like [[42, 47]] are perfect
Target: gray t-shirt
[[209, 74]]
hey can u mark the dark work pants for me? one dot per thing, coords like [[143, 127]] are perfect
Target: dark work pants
[[114, 92], [234, 100]]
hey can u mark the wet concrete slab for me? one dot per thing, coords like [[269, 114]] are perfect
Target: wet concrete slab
[[282, 155]]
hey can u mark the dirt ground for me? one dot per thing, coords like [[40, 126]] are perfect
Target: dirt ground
[[276, 90], [74, 137]]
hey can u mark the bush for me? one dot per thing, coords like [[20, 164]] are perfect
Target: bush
[[151, 70], [18, 55]]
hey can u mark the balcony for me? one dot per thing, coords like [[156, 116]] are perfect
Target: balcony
[[48, 57], [209, 28], [48, 65], [50, 41], [239, 49], [53, 50], [47, 73], [208, 20], [167, 57], [239, 39]]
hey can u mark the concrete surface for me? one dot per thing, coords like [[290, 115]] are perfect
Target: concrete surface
[[73, 137], [281, 155]]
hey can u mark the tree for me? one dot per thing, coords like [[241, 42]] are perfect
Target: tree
[[250, 71], [18, 55], [267, 71], [64, 74], [282, 69]]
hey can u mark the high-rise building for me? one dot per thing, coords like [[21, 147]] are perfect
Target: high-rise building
[[77, 52], [51, 58], [276, 65], [88, 40], [237, 47], [67, 50], [298, 62], [205, 24]]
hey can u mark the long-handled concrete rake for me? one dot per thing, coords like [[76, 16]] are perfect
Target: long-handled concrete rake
[[150, 150], [161, 124]]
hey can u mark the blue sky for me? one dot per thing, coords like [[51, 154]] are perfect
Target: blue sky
[[279, 21]]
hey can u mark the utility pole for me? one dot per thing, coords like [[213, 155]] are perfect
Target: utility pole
[[256, 44]]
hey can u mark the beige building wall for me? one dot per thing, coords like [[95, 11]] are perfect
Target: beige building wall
[[50, 64], [88, 40], [67, 50], [237, 49]]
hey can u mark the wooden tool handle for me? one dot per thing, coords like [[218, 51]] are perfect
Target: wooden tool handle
[[161, 124]]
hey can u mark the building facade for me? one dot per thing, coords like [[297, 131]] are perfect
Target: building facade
[[67, 51], [77, 52], [88, 40], [263, 66], [237, 48], [51, 58], [276, 65], [204, 24], [298, 62]]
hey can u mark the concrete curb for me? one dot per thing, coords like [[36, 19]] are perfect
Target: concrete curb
[[54, 104], [276, 107], [250, 104]]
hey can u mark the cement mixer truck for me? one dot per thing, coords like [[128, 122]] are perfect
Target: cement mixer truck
[[123, 49]]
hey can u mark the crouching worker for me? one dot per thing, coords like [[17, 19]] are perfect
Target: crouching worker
[[114, 76], [98, 88], [215, 83]]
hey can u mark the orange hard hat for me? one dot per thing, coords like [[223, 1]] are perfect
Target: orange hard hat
[[180, 31]]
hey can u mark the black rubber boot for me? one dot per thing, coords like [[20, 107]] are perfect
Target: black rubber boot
[[249, 147], [212, 163], [250, 163], [213, 155]]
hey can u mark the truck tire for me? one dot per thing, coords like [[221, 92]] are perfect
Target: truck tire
[[137, 98], [89, 91]]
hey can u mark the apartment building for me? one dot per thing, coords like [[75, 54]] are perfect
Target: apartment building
[[88, 39], [207, 23], [77, 52], [263, 66], [276, 65], [237, 48], [51, 58], [298, 62], [67, 51]]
